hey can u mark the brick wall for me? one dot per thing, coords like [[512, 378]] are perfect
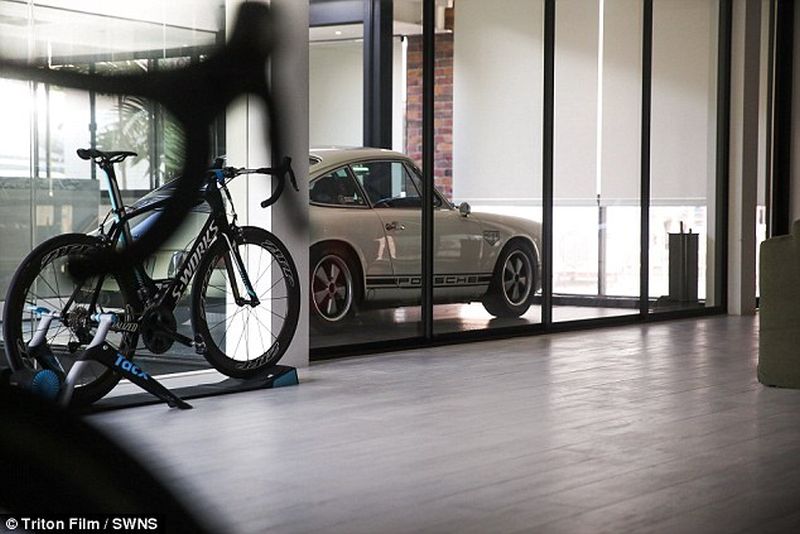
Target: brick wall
[[443, 108]]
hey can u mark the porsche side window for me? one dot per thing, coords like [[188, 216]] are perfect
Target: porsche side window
[[387, 184], [437, 202], [336, 188]]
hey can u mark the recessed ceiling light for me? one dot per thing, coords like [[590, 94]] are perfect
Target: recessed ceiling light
[[338, 32]]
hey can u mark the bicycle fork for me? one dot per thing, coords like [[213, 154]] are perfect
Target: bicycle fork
[[236, 258]]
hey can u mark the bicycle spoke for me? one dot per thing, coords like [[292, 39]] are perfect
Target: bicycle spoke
[[225, 319], [265, 326]]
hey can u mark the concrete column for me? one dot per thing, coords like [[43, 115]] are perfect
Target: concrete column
[[247, 146], [290, 215], [745, 73]]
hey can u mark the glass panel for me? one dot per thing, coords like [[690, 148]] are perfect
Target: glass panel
[[16, 167], [366, 244], [597, 151], [336, 188], [488, 166], [388, 185], [764, 145], [683, 174], [46, 189]]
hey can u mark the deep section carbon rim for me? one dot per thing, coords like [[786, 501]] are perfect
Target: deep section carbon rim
[[244, 333]]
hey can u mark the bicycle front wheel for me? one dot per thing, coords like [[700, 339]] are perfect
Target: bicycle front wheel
[[242, 338]]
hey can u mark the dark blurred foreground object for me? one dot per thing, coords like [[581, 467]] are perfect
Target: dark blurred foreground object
[[195, 96], [52, 462]]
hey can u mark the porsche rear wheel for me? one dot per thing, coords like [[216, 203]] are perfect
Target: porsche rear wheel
[[513, 283]]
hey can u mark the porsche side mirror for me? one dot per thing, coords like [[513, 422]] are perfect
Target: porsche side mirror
[[464, 209]]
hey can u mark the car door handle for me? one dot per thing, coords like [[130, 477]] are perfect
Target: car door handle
[[394, 225]]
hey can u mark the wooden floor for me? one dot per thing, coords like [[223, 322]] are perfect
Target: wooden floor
[[659, 428]]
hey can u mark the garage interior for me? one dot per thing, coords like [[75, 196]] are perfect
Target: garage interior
[[652, 140]]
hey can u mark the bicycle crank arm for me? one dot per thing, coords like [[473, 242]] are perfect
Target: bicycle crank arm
[[175, 336]]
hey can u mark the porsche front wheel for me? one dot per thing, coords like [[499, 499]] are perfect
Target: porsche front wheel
[[332, 288]]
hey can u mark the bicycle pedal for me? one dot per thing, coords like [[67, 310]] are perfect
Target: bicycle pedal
[[200, 345]]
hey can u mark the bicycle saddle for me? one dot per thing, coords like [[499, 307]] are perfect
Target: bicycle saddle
[[114, 156]]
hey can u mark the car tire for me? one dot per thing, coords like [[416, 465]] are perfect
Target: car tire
[[514, 281], [334, 287]]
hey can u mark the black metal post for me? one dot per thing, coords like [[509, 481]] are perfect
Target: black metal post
[[35, 132], [378, 18], [156, 148], [428, 64], [48, 157], [723, 151], [602, 239], [93, 122], [547, 161], [770, 117], [782, 115], [647, 101]]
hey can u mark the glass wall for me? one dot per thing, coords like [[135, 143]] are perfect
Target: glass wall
[[683, 208], [488, 165], [45, 189], [597, 154], [365, 212], [488, 142]]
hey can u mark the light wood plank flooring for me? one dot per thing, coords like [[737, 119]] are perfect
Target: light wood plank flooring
[[658, 428]]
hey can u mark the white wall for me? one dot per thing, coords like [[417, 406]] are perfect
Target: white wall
[[336, 93], [247, 146]]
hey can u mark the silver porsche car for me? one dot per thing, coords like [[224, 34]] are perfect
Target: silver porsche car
[[366, 241]]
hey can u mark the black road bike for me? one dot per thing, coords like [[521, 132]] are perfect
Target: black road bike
[[245, 291]]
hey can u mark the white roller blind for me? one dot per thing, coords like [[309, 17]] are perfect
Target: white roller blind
[[575, 149], [497, 100], [622, 103], [684, 100]]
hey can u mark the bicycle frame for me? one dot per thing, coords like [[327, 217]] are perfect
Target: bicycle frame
[[216, 226]]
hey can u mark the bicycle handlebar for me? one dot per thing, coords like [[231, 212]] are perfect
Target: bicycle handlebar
[[280, 173]]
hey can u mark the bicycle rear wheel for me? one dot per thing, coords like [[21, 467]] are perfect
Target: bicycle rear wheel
[[42, 280], [241, 339]]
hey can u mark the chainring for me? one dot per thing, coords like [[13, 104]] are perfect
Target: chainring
[[155, 320]]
